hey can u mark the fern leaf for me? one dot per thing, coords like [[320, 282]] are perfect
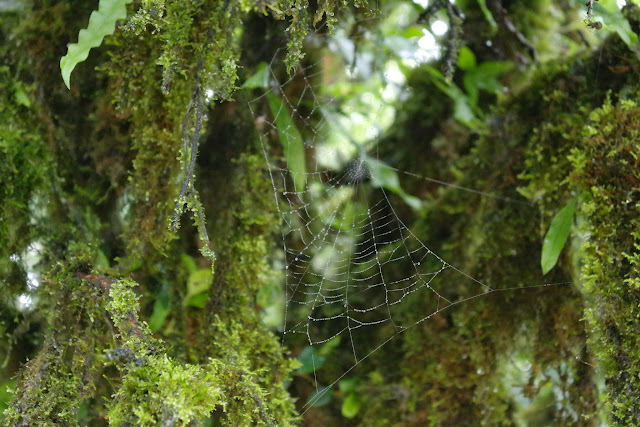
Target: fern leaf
[[102, 22]]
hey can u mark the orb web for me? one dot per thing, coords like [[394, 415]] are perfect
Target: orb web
[[354, 271]]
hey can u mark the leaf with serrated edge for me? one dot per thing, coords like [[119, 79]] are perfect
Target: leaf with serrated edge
[[102, 22]]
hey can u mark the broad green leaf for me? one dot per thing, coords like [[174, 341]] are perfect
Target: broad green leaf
[[310, 359], [466, 59], [414, 31], [351, 405], [260, 79], [198, 283], [102, 22], [188, 263], [320, 397], [382, 175], [557, 236], [290, 139]]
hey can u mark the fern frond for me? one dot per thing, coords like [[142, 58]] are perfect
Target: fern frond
[[102, 22]]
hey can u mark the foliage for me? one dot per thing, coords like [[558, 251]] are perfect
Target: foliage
[[557, 235], [102, 23]]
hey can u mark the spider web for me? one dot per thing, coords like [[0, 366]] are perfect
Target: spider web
[[352, 265]]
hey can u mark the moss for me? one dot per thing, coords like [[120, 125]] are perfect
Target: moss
[[163, 392], [233, 332], [63, 374], [597, 159], [156, 389], [605, 169]]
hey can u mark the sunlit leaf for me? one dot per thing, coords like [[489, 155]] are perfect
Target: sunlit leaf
[[351, 405], [102, 22], [290, 139], [198, 283], [613, 20], [260, 79], [557, 236], [466, 59]]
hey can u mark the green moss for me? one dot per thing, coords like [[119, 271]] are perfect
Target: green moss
[[63, 374], [156, 389], [164, 392], [606, 170], [233, 332]]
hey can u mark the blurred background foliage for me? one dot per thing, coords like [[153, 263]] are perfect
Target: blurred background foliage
[[481, 119]]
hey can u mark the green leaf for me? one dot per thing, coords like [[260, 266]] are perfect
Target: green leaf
[[351, 406], [613, 20], [198, 283], [464, 109], [383, 175], [557, 236], [310, 359], [102, 22], [348, 386], [188, 263], [290, 139], [466, 59], [260, 79]]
